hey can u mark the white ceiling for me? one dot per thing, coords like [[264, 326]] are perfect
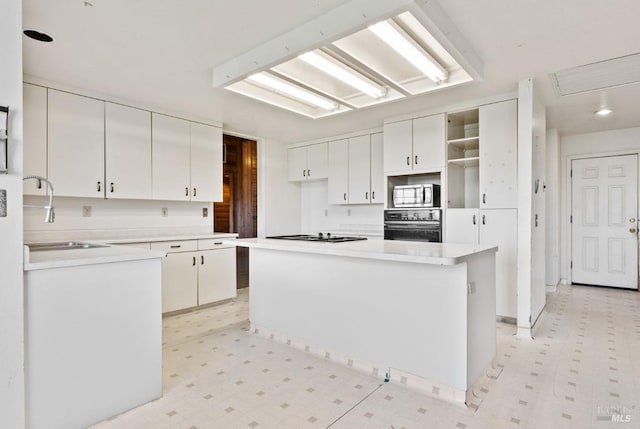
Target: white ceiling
[[161, 53]]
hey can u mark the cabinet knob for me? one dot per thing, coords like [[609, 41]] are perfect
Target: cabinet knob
[[186, 191], [345, 196], [408, 160], [39, 184], [112, 187], [416, 160], [484, 198], [99, 186], [474, 219], [194, 261], [201, 259], [366, 195], [484, 220], [373, 195], [304, 173], [309, 173], [195, 192]]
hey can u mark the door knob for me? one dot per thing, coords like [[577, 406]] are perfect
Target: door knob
[[632, 230], [632, 220]]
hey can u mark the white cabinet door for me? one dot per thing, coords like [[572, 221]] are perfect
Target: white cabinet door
[[499, 155], [500, 227], [317, 161], [35, 138], [377, 169], [216, 275], [398, 138], [76, 145], [171, 159], [297, 163], [359, 180], [206, 163], [338, 185], [429, 142], [462, 226], [127, 152], [179, 281]]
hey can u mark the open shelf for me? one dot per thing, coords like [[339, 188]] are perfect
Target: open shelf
[[467, 143], [472, 161]]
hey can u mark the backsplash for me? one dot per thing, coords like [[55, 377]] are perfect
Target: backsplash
[[319, 216], [86, 218]]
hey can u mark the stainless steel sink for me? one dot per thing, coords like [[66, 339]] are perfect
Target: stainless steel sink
[[62, 245]]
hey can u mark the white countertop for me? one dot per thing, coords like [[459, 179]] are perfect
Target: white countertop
[[41, 260], [386, 250], [172, 237]]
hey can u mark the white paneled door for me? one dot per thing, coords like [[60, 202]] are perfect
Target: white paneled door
[[604, 230]]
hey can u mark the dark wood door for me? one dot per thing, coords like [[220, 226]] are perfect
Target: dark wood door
[[239, 210]]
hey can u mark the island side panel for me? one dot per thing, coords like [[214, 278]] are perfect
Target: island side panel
[[407, 316], [481, 314], [93, 341]]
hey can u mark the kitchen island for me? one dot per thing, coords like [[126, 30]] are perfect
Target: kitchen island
[[419, 314]]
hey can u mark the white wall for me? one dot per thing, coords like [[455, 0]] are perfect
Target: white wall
[[538, 232], [278, 199], [552, 200], [615, 142], [113, 218], [11, 302], [319, 216]]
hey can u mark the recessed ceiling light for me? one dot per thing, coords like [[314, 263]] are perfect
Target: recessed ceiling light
[[603, 112], [36, 35]]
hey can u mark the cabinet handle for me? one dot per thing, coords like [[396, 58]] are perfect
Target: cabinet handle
[[217, 243], [373, 195], [112, 187], [194, 261], [366, 195], [416, 159], [195, 192], [201, 259], [345, 196], [176, 246], [484, 198], [474, 219], [308, 173], [99, 186], [304, 173], [39, 184], [408, 160], [186, 191], [484, 220]]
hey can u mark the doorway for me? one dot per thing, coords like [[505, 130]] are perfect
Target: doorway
[[238, 212], [604, 221]]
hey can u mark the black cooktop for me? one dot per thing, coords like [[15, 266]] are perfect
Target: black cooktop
[[327, 238]]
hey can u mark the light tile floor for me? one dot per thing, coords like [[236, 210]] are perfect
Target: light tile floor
[[583, 366]]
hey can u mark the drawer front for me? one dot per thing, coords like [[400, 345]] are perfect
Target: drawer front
[[214, 243], [144, 245], [175, 246]]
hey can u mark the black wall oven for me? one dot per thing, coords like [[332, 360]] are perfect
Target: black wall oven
[[413, 225]]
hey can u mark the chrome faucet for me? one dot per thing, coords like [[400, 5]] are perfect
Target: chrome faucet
[[50, 215]]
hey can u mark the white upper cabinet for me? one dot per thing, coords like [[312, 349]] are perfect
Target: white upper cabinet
[[398, 146], [308, 162], [171, 158], [75, 144], [35, 138], [127, 152], [206, 163], [359, 170], [415, 145], [499, 155], [429, 137], [338, 186], [378, 188]]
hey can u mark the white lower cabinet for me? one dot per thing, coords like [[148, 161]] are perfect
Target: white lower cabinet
[[491, 227], [196, 272]]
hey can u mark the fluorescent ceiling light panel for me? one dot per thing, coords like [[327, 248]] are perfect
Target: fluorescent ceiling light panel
[[604, 112], [293, 91], [402, 43], [346, 75]]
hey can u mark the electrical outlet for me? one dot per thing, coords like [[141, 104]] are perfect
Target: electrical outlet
[[3, 203], [86, 211], [165, 211], [205, 212], [348, 212]]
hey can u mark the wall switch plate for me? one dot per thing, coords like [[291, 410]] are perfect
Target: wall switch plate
[[3, 203], [471, 288], [86, 211], [165, 211], [205, 212]]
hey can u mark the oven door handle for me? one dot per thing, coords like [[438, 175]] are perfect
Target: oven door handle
[[405, 225]]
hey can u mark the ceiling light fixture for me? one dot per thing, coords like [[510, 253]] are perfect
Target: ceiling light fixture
[[403, 44], [603, 111], [348, 76], [293, 91]]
